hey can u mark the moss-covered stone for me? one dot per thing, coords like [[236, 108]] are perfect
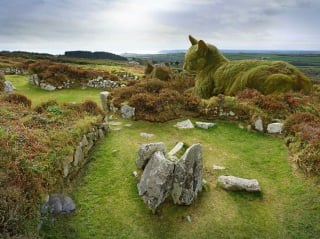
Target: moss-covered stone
[[217, 75]]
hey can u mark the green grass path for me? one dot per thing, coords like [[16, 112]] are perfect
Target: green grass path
[[109, 205]]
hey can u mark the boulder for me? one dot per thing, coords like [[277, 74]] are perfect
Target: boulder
[[275, 128], [146, 151], [258, 124], [127, 112], [156, 180], [60, 204], [231, 183], [104, 99], [34, 80], [8, 87], [186, 124], [187, 179], [204, 125]]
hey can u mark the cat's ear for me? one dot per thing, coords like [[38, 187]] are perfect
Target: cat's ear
[[202, 48], [193, 40]]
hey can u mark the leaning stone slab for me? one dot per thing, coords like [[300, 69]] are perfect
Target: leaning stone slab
[[231, 183], [188, 175], [156, 180], [275, 128], [204, 125], [176, 149], [146, 151], [60, 204], [187, 124]]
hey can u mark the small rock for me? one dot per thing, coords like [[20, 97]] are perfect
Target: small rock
[[187, 124], [115, 123], [8, 87], [204, 125], [146, 135], [127, 112], [116, 128], [128, 125], [275, 128], [231, 183], [189, 219], [135, 174], [217, 167]]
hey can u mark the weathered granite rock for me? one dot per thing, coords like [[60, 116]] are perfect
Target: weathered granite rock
[[127, 112], [146, 135], [204, 125], [186, 124], [258, 124], [146, 151], [34, 80], [187, 179], [47, 87], [232, 183], [60, 204], [156, 180], [78, 156], [8, 87], [176, 149], [275, 128], [104, 99], [217, 167]]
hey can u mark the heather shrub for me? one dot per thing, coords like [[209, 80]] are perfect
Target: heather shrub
[[309, 159], [2, 79], [162, 73], [91, 107], [18, 99], [152, 85], [290, 125], [42, 107], [191, 101]]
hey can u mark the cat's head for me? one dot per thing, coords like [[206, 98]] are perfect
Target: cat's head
[[195, 57]]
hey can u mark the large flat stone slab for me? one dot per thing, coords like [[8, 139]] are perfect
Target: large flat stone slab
[[231, 183]]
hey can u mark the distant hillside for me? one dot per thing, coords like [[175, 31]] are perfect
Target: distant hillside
[[94, 55], [173, 51]]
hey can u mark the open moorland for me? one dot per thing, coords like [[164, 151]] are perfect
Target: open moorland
[[40, 129]]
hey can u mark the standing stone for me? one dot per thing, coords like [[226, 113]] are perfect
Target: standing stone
[[59, 203], [275, 128], [34, 80], [127, 112], [176, 149], [156, 180], [104, 99], [258, 124], [187, 179], [232, 183], [8, 87], [146, 151]]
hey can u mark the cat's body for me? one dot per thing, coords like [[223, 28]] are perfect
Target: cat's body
[[218, 75]]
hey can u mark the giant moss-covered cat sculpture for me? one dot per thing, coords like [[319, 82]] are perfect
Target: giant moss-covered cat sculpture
[[217, 75]]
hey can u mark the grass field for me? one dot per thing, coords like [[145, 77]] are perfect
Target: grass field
[[109, 205]]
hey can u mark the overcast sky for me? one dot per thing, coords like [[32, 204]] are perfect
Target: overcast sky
[[119, 26]]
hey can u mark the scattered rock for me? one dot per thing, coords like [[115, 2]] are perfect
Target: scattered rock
[[60, 204], [104, 99], [116, 128], [8, 87], [156, 180], [146, 151], [187, 124], [258, 124], [275, 128], [217, 167], [135, 174], [231, 183], [127, 112], [231, 113], [128, 125], [146, 135], [115, 123], [204, 125], [176, 149], [187, 179], [47, 87], [189, 219]]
